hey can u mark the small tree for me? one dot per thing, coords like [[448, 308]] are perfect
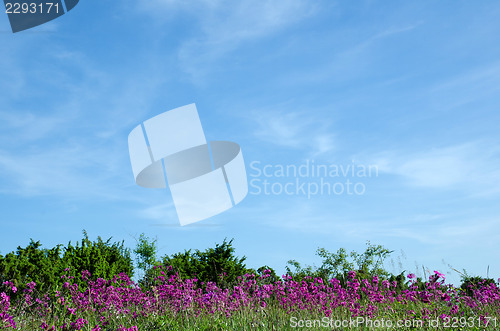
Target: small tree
[[337, 265], [300, 272], [369, 263], [145, 252]]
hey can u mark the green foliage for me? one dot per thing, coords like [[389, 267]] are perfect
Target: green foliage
[[403, 283], [268, 273], [32, 264], [102, 259], [472, 283], [337, 265], [145, 252], [372, 260], [219, 264], [299, 272]]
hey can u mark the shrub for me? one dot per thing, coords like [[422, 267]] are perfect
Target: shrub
[[102, 259], [473, 283], [32, 264], [218, 265]]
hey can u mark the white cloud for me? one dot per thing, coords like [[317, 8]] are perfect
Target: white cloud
[[67, 170], [226, 25], [72, 145], [477, 84], [295, 130], [472, 167], [349, 58], [447, 230], [163, 211], [26, 126]]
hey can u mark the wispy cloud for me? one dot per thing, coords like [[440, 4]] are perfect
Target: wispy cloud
[[223, 26], [295, 130], [67, 170], [160, 212], [445, 233], [347, 60], [477, 84], [70, 139], [437, 230], [472, 167]]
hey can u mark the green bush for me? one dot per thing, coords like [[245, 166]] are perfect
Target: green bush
[[32, 264], [218, 265], [43, 266], [471, 283], [102, 259]]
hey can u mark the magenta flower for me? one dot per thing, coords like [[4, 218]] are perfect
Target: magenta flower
[[439, 275], [101, 303], [11, 286]]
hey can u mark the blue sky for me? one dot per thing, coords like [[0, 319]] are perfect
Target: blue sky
[[411, 88]]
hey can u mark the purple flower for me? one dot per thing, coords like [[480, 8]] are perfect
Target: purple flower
[[438, 274], [85, 274], [11, 286]]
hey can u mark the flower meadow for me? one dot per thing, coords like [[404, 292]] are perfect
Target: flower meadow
[[253, 302]]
